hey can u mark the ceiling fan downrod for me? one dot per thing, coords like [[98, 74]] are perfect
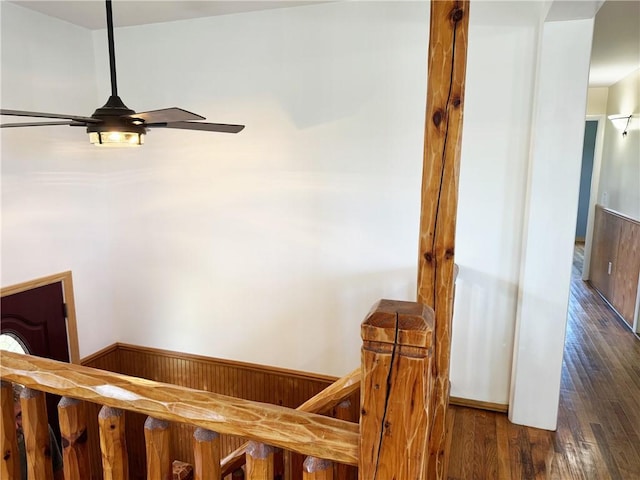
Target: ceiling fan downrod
[[112, 53]]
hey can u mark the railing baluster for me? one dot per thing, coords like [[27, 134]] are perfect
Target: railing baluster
[[206, 452], [260, 464], [37, 441], [317, 469], [158, 444], [287, 462], [115, 464], [341, 471], [10, 466], [73, 428]]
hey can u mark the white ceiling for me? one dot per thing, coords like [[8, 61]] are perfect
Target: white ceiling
[[91, 13], [616, 41]]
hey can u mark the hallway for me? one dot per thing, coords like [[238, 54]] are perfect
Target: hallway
[[598, 436]]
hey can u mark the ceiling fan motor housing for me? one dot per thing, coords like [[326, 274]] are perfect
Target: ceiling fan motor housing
[[115, 113], [116, 124]]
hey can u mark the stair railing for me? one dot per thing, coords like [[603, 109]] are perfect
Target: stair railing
[[390, 442]]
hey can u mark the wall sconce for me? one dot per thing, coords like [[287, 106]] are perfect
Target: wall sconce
[[621, 122]]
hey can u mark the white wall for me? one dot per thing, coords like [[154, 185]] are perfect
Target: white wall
[[597, 100], [620, 175], [54, 204], [495, 151], [271, 245], [557, 136]]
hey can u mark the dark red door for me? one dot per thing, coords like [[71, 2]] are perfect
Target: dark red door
[[37, 318]]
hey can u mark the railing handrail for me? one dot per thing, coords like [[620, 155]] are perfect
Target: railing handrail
[[305, 433], [328, 398]]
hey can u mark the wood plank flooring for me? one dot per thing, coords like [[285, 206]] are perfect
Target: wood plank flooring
[[598, 436]]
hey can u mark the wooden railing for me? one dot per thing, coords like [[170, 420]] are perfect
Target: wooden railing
[[390, 441]]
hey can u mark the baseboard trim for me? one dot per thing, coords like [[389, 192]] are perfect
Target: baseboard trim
[[465, 402]]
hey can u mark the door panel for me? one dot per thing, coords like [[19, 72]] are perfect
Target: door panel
[[37, 317]]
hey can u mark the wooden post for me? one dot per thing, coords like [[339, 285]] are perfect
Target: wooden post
[[158, 445], [260, 464], [206, 452], [342, 471], [73, 428], [10, 466], [443, 138], [37, 441], [115, 464], [396, 376], [317, 469]]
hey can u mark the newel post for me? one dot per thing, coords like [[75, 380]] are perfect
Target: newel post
[[394, 396]]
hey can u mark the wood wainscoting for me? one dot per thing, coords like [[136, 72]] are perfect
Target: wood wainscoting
[[615, 260], [260, 383]]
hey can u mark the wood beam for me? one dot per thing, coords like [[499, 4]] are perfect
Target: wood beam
[[443, 138]]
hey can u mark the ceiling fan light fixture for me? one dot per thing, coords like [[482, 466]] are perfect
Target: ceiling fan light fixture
[[116, 139], [116, 125]]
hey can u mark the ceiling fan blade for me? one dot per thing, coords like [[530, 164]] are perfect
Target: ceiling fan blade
[[23, 113], [167, 115], [42, 124], [207, 127]]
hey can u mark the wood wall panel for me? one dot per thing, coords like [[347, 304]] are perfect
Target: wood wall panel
[[260, 383], [601, 253], [106, 359], [616, 239], [625, 280]]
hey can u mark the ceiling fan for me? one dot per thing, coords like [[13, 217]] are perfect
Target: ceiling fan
[[114, 124]]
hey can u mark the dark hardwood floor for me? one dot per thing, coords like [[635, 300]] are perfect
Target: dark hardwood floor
[[598, 436]]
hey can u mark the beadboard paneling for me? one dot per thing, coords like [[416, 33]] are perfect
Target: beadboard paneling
[[260, 383]]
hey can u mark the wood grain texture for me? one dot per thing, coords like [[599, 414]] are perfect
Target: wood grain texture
[[107, 359], [627, 270], [73, 429], [317, 469], [337, 392], [598, 435], [37, 441], [182, 470], [113, 443], [465, 402], [10, 462], [260, 461], [305, 433], [265, 384], [603, 251], [206, 447], [396, 377], [343, 412], [158, 446], [439, 199], [616, 240]]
